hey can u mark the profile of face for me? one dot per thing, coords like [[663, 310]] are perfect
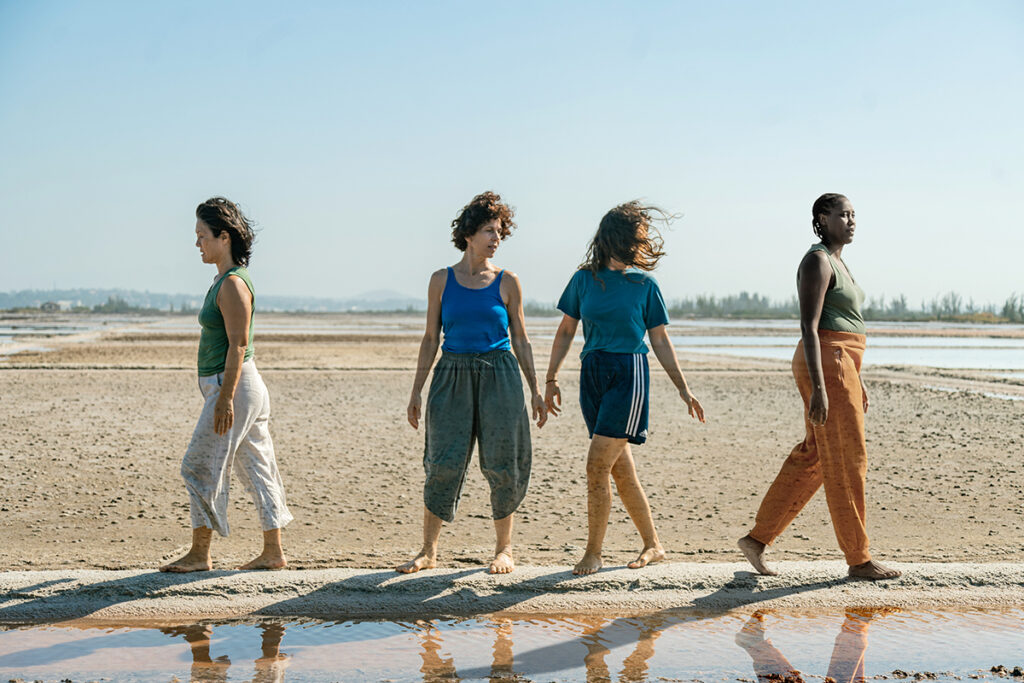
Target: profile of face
[[486, 238], [838, 225], [211, 247]]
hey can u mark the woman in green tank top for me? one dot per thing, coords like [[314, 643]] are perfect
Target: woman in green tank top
[[826, 367], [232, 429]]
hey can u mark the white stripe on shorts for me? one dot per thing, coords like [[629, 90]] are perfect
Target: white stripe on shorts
[[638, 395]]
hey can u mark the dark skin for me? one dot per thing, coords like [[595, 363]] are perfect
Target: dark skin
[[814, 278]]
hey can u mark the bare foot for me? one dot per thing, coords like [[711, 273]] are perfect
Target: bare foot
[[421, 561], [502, 563], [271, 560], [648, 556], [874, 571], [754, 551], [588, 565], [189, 563]]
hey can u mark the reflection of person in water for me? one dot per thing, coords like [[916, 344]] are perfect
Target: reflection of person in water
[[269, 668], [846, 665], [599, 636]]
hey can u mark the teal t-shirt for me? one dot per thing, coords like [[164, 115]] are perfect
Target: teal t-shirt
[[616, 315]]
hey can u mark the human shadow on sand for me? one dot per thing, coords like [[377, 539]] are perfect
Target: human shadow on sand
[[76, 599]]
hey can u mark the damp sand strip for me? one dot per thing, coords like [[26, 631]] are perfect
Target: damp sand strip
[[40, 596]]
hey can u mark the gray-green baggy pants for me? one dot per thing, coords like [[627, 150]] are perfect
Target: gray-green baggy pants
[[476, 397]]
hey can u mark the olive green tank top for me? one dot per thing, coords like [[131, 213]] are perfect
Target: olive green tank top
[[213, 339], [841, 310]]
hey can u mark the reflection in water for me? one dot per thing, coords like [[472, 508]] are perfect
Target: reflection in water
[[598, 636], [207, 669], [846, 665]]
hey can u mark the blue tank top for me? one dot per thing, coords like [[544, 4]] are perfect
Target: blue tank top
[[473, 320]]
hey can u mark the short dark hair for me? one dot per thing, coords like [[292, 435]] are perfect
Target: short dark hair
[[485, 207], [627, 234], [824, 204], [223, 215]]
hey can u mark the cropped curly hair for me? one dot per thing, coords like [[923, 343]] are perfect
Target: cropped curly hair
[[223, 215], [627, 234], [485, 207]]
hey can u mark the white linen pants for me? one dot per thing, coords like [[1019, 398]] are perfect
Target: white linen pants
[[247, 447]]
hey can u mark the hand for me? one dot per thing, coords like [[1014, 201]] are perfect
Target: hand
[[223, 415], [693, 405], [553, 398], [540, 410], [817, 413], [413, 411], [864, 395]]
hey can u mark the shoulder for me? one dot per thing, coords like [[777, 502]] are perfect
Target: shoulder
[[815, 259], [439, 275], [507, 276], [641, 277], [236, 283]]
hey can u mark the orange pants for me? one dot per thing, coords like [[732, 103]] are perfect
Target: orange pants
[[834, 453]]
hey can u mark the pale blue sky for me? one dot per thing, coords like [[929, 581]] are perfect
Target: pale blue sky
[[353, 133]]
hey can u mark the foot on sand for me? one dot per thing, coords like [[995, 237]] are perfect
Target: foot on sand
[[874, 571], [189, 563], [754, 551], [266, 561], [648, 556], [588, 565], [502, 562], [421, 561]]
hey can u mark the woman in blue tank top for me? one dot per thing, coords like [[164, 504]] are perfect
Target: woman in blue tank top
[[476, 394]]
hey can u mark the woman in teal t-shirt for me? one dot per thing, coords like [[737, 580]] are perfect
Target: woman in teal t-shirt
[[232, 429], [618, 303]]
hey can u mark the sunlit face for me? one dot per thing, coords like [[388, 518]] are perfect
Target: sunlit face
[[838, 226], [211, 248], [486, 239]]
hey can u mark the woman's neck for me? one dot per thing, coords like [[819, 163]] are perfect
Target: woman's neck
[[474, 263], [613, 264], [224, 266]]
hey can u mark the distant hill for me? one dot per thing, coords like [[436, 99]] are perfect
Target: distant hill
[[68, 299]]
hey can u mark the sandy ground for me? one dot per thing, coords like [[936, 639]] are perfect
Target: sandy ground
[[93, 433], [120, 596]]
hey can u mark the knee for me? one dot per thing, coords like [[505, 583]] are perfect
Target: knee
[[598, 468]]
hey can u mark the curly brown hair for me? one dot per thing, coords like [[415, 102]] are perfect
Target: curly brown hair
[[223, 215], [485, 207], [627, 234]]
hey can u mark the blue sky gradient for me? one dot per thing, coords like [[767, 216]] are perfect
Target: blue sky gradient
[[353, 133]]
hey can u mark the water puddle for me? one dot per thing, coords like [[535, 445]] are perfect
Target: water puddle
[[845, 645]]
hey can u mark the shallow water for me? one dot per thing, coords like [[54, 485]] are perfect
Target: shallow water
[[847, 645]]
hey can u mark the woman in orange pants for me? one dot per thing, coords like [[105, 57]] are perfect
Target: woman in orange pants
[[826, 366]]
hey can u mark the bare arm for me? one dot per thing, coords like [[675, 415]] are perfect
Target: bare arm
[[512, 294], [235, 303], [559, 349], [428, 347], [666, 354], [814, 277]]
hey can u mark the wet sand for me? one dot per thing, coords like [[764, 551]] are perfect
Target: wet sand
[[122, 596], [93, 434]]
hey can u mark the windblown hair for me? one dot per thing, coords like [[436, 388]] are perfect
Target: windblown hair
[[824, 204], [223, 215], [627, 234], [485, 207]]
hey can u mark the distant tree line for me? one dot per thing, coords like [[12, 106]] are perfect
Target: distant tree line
[[951, 307]]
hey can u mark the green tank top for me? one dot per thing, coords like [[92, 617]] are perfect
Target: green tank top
[[213, 339], [841, 310]]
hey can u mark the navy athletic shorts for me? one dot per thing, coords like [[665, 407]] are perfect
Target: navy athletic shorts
[[613, 394]]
